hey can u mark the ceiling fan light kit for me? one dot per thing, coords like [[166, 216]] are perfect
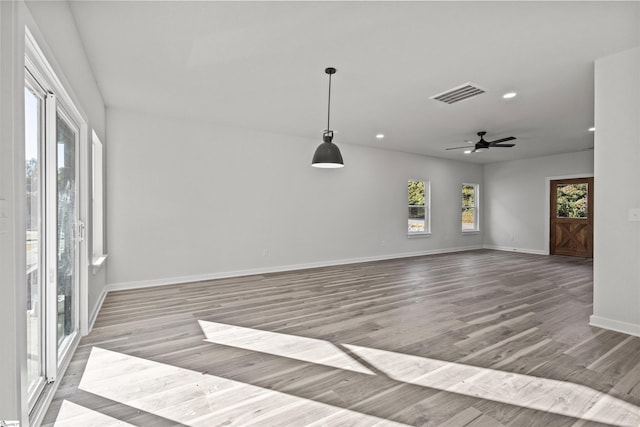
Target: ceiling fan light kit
[[327, 154], [484, 145]]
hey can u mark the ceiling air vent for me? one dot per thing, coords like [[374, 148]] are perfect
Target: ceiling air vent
[[459, 93]]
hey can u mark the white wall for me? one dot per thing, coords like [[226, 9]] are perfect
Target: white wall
[[190, 200], [516, 202], [617, 168]]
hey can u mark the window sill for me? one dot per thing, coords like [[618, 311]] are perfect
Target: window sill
[[418, 235], [465, 233], [97, 262]]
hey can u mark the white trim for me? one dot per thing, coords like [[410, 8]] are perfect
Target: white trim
[[547, 202], [49, 220], [97, 262], [98, 255], [96, 309], [521, 250], [84, 190], [414, 235], [226, 274], [615, 325]]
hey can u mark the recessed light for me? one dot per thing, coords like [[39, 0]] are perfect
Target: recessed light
[[380, 136], [592, 129], [467, 151], [509, 95]]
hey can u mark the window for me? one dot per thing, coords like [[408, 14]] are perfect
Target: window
[[470, 208], [572, 200], [97, 198], [418, 202]]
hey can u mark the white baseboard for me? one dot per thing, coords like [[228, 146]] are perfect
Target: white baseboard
[[96, 308], [253, 271], [615, 325], [522, 250]]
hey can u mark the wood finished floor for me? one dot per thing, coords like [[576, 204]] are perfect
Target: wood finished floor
[[479, 338]]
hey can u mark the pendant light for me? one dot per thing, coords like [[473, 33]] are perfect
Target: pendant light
[[327, 154]]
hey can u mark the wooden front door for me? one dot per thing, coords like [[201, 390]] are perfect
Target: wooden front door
[[571, 219]]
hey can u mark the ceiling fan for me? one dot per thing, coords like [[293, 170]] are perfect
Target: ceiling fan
[[483, 145]]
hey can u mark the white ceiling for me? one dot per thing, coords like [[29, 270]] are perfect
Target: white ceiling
[[260, 65]]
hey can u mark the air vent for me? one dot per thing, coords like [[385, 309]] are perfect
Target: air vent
[[459, 93]]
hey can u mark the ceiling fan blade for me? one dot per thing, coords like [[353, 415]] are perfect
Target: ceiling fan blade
[[502, 145], [457, 148], [509, 138], [469, 141]]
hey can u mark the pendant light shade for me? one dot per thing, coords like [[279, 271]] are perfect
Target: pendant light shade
[[327, 154]]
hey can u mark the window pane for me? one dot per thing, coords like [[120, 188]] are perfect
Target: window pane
[[97, 233], [468, 218], [33, 139], [66, 242], [416, 225], [417, 219], [468, 195], [416, 212], [416, 193], [572, 200]]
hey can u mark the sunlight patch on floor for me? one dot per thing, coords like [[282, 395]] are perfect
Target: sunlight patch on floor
[[311, 350], [543, 394], [196, 399], [559, 397], [74, 415], [200, 399]]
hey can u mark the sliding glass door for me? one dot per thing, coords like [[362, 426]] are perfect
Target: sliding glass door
[[52, 234]]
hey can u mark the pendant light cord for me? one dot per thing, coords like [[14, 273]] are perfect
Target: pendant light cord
[[329, 106]]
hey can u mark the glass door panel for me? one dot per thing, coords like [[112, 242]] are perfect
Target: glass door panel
[[66, 242], [34, 109]]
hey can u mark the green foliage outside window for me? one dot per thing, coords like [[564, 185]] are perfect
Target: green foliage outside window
[[416, 193], [572, 201], [468, 196]]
